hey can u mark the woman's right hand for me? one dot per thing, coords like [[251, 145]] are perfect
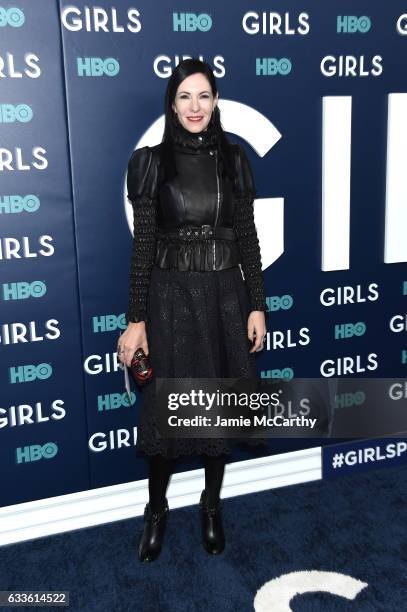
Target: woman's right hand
[[130, 340]]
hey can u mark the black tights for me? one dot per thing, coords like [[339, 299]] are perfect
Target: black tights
[[161, 468]]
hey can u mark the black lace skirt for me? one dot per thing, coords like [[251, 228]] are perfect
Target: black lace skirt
[[196, 328]]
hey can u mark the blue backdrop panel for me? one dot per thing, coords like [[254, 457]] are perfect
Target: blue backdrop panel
[[100, 109], [43, 435], [107, 84]]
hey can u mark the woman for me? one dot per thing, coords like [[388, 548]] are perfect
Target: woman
[[190, 308]]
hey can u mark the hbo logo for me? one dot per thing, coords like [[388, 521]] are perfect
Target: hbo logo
[[27, 373], [347, 330], [272, 66], [108, 323], [351, 24], [12, 16], [115, 400], [16, 204], [285, 374], [10, 113], [189, 22], [96, 66], [344, 400], [23, 290], [35, 452], [275, 302]]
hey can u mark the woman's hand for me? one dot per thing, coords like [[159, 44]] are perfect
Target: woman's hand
[[133, 338], [256, 326]]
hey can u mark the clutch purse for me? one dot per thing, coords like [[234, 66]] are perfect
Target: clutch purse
[[140, 367]]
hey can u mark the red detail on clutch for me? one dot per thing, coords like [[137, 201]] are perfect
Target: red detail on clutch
[[140, 367]]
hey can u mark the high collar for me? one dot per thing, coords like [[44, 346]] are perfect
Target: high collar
[[194, 142]]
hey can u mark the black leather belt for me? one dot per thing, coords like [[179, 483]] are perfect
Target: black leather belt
[[194, 232]]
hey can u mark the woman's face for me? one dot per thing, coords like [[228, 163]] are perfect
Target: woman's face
[[194, 102]]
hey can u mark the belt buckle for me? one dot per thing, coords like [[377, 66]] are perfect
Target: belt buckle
[[207, 231]]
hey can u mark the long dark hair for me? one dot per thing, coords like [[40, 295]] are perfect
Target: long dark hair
[[183, 70]]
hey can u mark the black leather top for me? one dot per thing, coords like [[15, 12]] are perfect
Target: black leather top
[[197, 196]]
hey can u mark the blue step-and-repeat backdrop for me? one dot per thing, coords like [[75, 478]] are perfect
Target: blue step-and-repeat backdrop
[[317, 94]]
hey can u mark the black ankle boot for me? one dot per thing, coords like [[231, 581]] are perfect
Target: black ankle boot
[[213, 537], [153, 533]]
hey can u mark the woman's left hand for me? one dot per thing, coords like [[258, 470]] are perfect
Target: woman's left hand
[[256, 329]]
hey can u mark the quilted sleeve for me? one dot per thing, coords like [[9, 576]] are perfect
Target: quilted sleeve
[[142, 193], [246, 232]]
